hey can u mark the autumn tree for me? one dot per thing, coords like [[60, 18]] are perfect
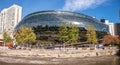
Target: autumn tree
[[109, 39], [6, 38], [63, 33], [25, 34], [117, 40], [73, 33], [91, 35]]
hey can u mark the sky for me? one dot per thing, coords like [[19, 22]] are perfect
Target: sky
[[101, 9]]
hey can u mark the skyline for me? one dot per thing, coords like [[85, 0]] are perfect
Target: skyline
[[101, 9]]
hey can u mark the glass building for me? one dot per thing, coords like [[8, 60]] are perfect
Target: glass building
[[55, 18]]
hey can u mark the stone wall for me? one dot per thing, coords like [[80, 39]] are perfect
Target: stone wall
[[59, 53]]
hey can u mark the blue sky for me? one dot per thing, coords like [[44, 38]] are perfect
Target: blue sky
[[107, 9]]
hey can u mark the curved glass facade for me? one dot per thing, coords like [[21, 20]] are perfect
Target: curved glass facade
[[55, 18]]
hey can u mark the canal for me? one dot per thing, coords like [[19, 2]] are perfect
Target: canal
[[113, 61]]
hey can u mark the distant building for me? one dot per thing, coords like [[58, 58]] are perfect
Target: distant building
[[117, 29], [114, 28], [111, 27], [0, 24], [9, 18]]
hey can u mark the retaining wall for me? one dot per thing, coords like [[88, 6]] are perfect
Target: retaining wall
[[59, 53]]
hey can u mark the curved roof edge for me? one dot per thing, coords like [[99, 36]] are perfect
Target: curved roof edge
[[59, 11]]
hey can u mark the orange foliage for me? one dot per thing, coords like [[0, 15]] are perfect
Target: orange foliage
[[117, 40], [9, 45], [108, 39]]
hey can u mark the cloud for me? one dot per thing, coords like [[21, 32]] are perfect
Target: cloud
[[72, 5]]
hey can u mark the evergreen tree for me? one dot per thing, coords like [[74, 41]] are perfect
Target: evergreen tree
[[91, 35]]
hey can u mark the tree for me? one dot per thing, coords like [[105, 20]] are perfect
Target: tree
[[25, 34], [117, 40], [91, 35], [109, 39], [6, 38], [73, 33], [63, 33]]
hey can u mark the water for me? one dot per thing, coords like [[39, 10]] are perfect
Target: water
[[113, 61]]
